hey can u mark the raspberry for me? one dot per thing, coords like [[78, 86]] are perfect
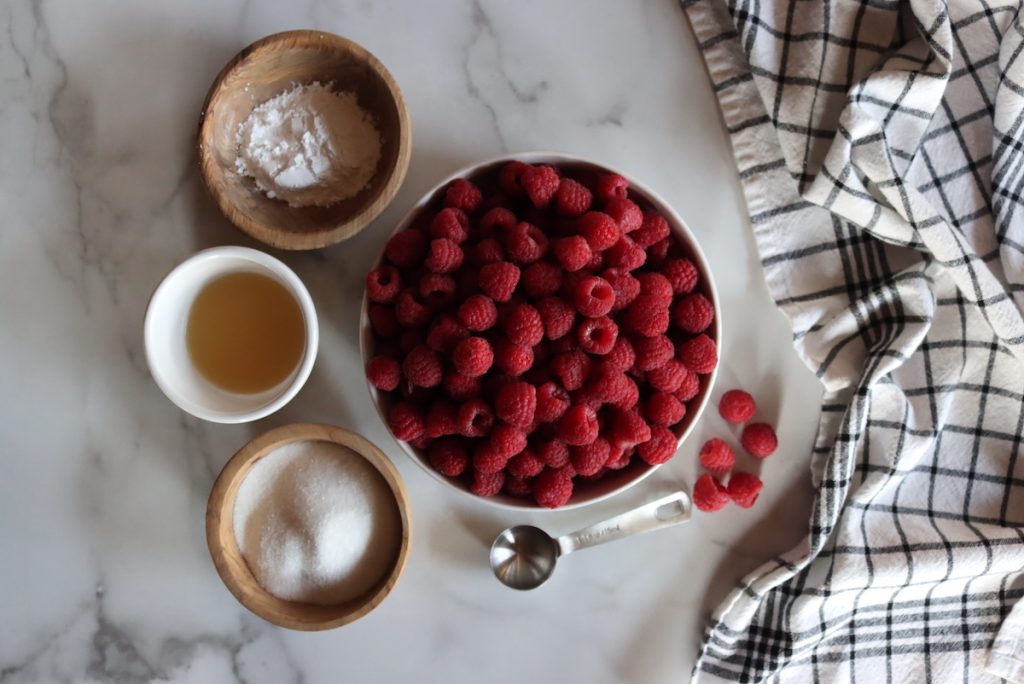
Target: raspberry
[[554, 453], [421, 443], [652, 352], [409, 311], [552, 402], [473, 356], [525, 465], [625, 254], [625, 212], [461, 387], [607, 383], [445, 333], [708, 494], [487, 484], [383, 284], [523, 325], [441, 420], [594, 296], [693, 313], [759, 440], [506, 441], [498, 280], [572, 252], [596, 262], [690, 387], [611, 186], [436, 289], [406, 421], [658, 252], [516, 403], [655, 285], [541, 184], [682, 274], [474, 418], [647, 316], [571, 369], [514, 359], [572, 198], [526, 243], [553, 487], [630, 397], [557, 316], [498, 219], [699, 354], [487, 251], [597, 335], [629, 429], [599, 230], [542, 279], [717, 456], [590, 458], [659, 448], [509, 177], [462, 194], [736, 406], [664, 409], [622, 355], [621, 459], [578, 425], [383, 320], [450, 223], [653, 229], [422, 367], [406, 249], [667, 377], [478, 313], [517, 486], [383, 373], [448, 457], [587, 398], [626, 287], [744, 489], [445, 256]]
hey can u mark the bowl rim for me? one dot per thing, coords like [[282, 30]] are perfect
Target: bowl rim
[[678, 226], [275, 236]]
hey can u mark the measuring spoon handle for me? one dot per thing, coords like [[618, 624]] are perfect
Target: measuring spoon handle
[[646, 518]]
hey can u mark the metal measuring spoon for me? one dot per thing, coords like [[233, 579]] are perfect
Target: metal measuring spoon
[[524, 556]]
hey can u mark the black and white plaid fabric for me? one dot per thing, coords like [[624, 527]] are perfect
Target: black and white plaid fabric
[[881, 150]]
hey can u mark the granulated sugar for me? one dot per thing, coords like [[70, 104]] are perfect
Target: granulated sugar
[[316, 523]]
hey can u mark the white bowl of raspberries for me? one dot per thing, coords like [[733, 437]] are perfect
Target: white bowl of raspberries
[[540, 331]]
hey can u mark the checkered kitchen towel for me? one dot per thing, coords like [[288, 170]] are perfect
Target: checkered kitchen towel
[[881, 149]]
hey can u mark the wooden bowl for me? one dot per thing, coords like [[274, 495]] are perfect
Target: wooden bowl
[[265, 69], [235, 573]]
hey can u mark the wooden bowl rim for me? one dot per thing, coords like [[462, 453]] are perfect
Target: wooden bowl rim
[[220, 513], [277, 237]]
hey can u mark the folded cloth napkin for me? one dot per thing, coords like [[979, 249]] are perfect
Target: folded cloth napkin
[[880, 145]]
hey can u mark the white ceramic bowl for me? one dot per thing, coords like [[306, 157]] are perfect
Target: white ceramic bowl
[[615, 482], [167, 354]]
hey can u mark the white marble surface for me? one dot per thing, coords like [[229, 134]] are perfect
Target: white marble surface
[[104, 573]]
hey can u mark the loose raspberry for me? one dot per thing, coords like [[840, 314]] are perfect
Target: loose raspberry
[[626, 287], [664, 409], [478, 313], [659, 448], [587, 398], [541, 184], [448, 457], [594, 296], [517, 486], [516, 403], [625, 254], [607, 383], [629, 429], [510, 176], [514, 359], [487, 251], [461, 387], [759, 440], [659, 252], [652, 352], [383, 320], [612, 186], [596, 262], [578, 425], [474, 418], [487, 484], [622, 355], [462, 194], [653, 229], [647, 316], [667, 377], [384, 373], [445, 333], [498, 280], [599, 230], [406, 249], [525, 465], [589, 459], [422, 367], [655, 285], [450, 223], [523, 325], [571, 369], [630, 397], [487, 459], [554, 453], [553, 487], [682, 274], [708, 494], [441, 420], [409, 310], [445, 256], [498, 220], [689, 388], [693, 313], [717, 456], [473, 356], [699, 354], [625, 212], [572, 252], [436, 289], [572, 198], [406, 421], [552, 402], [506, 440], [525, 243], [423, 442], [597, 335], [557, 315], [619, 459], [736, 406], [542, 279], [383, 284], [744, 489]]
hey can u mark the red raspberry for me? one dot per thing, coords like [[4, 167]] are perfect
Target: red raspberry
[[572, 198], [578, 425], [571, 369], [590, 458], [664, 409], [554, 453], [708, 494], [599, 230], [572, 252], [629, 429], [473, 356], [406, 421], [498, 219], [668, 377], [462, 194], [450, 223], [607, 383], [525, 243], [630, 397], [441, 420], [699, 354], [658, 252], [759, 440], [655, 285], [461, 387], [517, 487], [587, 398], [406, 249], [626, 287], [487, 484], [542, 279], [557, 315], [682, 274], [621, 459], [383, 284], [693, 313], [736, 406], [596, 262], [717, 456], [514, 359], [478, 313], [409, 310], [622, 355], [437, 290], [625, 212], [448, 457], [659, 448], [625, 254], [744, 489], [509, 177], [445, 256], [647, 316], [384, 373], [612, 186], [506, 440], [553, 487], [516, 403], [422, 367], [597, 335], [525, 465], [474, 418], [498, 280], [523, 325], [594, 296], [552, 402], [690, 387], [652, 352], [653, 229], [383, 320], [445, 333], [487, 251], [541, 184]]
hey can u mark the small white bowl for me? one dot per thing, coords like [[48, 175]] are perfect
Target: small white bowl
[[167, 320]]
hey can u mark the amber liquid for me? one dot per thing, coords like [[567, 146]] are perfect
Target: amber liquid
[[245, 333]]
